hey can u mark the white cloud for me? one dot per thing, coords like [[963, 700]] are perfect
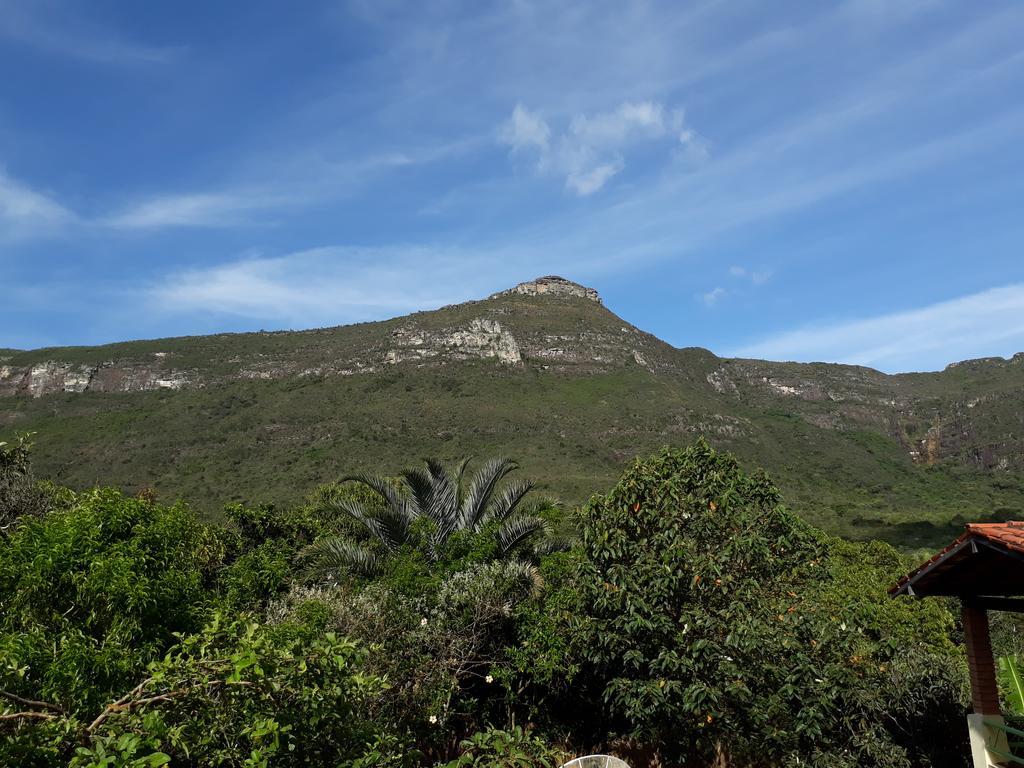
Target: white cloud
[[590, 151], [190, 210], [987, 323], [711, 297], [24, 211], [586, 180], [337, 284], [629, 121], [755, 276], [525, 130]]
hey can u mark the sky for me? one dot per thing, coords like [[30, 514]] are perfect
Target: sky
[[813, 181]]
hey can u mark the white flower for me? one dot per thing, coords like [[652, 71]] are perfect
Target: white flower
[[433, 718], [489, 679], [423, 622]]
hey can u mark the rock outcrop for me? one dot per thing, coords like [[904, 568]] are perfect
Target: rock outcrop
[[483, 338], [554, 286], [52, 376]]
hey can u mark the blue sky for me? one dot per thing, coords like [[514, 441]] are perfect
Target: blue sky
[[834, 181]]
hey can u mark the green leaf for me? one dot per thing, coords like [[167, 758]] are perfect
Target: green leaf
[[1012, 684]]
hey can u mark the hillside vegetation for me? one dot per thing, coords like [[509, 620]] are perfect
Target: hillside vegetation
[[545, 373], [433, 620]]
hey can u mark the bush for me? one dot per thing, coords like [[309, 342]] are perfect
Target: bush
[[90, 594], [239, 693], [236, 693], [514, 748], [441, 650]]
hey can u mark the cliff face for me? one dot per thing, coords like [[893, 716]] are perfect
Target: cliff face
[[972, 413], [51, 376]]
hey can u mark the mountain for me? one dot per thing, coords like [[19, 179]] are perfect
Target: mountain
[[543, 372]]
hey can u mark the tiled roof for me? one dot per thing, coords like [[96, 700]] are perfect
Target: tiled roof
[[1009, 536]]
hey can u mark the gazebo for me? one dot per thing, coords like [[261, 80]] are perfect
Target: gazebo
[[984, 568]]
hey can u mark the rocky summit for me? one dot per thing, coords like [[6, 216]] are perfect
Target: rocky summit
[[543, 372]]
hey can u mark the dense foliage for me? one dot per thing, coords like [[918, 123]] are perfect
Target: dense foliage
[[723, 626], [434, 510], [695, 620], [92, 592]]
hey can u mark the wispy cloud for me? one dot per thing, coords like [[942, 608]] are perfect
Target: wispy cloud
[[591, 150], [298, 179], [333, 285], [59, 29], [987, 323], [25, 211], [192, 210], [754, 277]]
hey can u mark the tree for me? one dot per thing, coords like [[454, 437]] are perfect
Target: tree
[[429, 508], [720, 626], [21, 498]]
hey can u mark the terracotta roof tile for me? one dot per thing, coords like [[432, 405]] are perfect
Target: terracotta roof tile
[[1009, 535]]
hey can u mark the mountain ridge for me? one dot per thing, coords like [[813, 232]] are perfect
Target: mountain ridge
[[550, 285], [543, 371]]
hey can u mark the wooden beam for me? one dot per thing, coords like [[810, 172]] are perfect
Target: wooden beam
[[1008, 604]]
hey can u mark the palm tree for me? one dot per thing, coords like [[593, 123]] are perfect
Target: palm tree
[[443, 496]]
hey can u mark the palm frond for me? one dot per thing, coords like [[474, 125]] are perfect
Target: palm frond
[[508, 501], [519, 529], [392, 526], [553, 543], [349, 507], [478, 498], [389, 526], [333, 556], [421, 489], [445, 501], [459, 478], [383, 486]]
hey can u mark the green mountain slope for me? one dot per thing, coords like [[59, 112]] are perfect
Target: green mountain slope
[[544, 373]]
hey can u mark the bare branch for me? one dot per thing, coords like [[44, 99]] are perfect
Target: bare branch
[[29, 716], [31, 702]]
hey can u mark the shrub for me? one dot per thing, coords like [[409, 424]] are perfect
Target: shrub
[[90, 594], [514, 748], [442, 651], [239, 693]]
